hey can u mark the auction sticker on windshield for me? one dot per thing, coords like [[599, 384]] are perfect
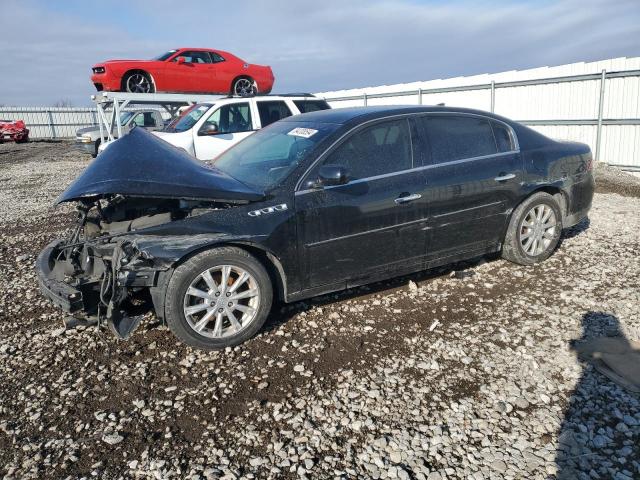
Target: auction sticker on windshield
[[303, 132]]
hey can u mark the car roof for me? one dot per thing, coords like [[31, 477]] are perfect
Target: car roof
[[362, 114], [268, 98]]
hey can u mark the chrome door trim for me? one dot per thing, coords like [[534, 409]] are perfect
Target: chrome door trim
[[375, 230], [507, 176], [401, 172], [407, 199]]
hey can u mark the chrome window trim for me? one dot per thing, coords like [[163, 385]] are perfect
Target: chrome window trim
[[415, 115], [401, 172]]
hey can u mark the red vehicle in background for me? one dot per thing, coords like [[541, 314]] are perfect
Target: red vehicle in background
[[13, 131], [197, 70]]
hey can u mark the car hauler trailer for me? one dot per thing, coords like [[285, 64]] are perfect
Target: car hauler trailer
[[110, 104]]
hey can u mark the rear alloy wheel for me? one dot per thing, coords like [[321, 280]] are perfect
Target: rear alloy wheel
[[138, 82], [534, 230], [244, 87], [218, 299]]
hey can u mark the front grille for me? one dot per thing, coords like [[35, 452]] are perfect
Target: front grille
[[98, 86]]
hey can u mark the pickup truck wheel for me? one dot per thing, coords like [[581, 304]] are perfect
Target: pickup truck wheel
[[534, 230], [96, 151], [218, 298]]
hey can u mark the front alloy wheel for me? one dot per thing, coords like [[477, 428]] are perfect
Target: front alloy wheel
[[218, 298], [221, 301], [138, 83]]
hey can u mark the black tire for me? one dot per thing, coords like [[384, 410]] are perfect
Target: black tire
[[149, 87], [95, 153], [190, 270], [513, 248], [23, 140], [237, 90]]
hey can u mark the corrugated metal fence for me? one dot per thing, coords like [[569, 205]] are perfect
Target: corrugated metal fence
[[51, 122]]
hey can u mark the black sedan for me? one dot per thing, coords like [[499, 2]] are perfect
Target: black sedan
[[312, 204]]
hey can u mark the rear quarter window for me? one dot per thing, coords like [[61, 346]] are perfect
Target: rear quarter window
[[273, 111], [504, 138], [306, 106]]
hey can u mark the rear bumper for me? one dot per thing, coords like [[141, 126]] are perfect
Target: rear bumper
[[14, 136], [60, 293], [86, 147], [580, 200]]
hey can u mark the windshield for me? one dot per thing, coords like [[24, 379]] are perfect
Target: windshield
[[164, 56], [188, 118], [124, 117], [267, 157]]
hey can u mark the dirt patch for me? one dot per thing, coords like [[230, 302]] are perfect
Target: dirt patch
[[613, 180]]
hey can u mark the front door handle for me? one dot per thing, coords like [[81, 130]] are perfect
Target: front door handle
[[407, 199], [506, 176]]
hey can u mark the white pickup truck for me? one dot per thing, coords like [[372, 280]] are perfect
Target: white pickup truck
[[207, 129]]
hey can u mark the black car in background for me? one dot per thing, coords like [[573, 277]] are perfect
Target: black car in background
[[311, 204]]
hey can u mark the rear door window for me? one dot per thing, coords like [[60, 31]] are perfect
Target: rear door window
[[382, 148], [306, 106], [272, 111], [456, 137], [230, 118]]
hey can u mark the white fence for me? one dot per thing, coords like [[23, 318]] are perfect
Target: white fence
[[571, 102], [51, 122]]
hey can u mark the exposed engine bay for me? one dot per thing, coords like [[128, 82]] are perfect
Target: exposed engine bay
[[99, 260]]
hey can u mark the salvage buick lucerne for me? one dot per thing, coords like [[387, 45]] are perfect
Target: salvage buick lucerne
[[311, 204]]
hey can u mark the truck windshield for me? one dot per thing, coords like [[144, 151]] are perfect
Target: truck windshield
[[124, 117], [266, 158], [188, 118]]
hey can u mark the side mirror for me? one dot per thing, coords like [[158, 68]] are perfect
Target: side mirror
[[209, 129], [181, 60], [330, 175]]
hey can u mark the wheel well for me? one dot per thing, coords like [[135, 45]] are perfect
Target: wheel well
[[558, 194], [130, 72], [273, 267], [268, 261], [248, 77]]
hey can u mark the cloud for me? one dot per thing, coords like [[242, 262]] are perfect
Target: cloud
[[323, 46]]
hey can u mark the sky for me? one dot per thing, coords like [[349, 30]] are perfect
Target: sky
[[49, 46]]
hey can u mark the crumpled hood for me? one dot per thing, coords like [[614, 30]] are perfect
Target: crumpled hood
[[142, 165]]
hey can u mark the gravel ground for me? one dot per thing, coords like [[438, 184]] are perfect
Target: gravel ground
[[465, 372]]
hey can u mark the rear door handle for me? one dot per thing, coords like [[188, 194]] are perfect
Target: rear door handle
[[507, 176], [407, 199]]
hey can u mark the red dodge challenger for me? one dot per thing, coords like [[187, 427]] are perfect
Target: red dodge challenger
[[184, 70]]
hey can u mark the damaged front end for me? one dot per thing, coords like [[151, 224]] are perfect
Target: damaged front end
[[99, 275], [109, 271]]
